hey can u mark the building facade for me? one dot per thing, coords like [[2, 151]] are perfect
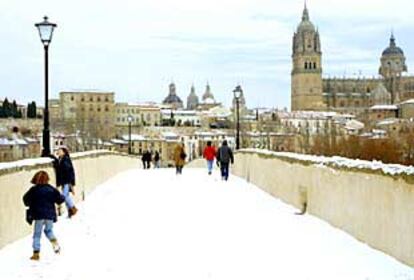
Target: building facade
[[90, 112]]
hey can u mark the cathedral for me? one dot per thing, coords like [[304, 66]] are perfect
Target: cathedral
[[310, 91]]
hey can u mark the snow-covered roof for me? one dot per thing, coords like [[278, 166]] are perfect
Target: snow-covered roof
[[169, 134], [409, 101], [11, 142], [384, 107], [386, 122], [134, 137], [354, 125], [119, 141]]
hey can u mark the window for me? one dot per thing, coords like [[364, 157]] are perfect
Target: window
[[99, 109], [106, 99], [91, 99], [106, 109], [314, 65], [83, 99], [72, 98], [99, 99], [306, 65]]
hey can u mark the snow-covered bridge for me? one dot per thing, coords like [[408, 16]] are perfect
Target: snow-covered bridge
[[156, 225]]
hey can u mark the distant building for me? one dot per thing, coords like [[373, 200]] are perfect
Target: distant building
[[192, 99], [173, 99], [310, 91], [208, 100], [90, 112], [142, 114]]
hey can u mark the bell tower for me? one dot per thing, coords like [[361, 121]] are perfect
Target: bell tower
[[306, 83]]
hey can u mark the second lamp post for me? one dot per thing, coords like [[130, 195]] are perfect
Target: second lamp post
[[237, 94], [130, 119]]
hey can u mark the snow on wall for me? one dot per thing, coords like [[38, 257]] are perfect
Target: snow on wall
[[336, 161], [13, 165]]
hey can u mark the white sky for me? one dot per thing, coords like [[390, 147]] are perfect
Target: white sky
[[136, 48]]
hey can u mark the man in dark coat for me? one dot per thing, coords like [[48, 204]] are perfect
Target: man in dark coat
[[65, 177], [224, 158]]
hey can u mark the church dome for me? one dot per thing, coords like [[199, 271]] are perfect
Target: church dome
[[172, 99], [393, 50]]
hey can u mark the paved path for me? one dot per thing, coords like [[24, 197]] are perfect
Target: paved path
[[154, 225]]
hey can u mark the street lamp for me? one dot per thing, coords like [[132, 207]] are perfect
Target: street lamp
[[130, 119], [46, 32], [237, 95]]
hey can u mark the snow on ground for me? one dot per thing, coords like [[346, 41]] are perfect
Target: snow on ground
[[155, 225]]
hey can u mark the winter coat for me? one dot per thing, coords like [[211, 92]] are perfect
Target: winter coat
[[157, 157], [41, 200], [178, 156], [65, 173], [209, 153], [225, 155]]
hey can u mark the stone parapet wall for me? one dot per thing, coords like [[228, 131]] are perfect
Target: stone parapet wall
[[371, 201], [92, 169]]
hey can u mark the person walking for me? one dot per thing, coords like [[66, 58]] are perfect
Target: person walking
[[224, 158], [209, 154], [179, 158], [41, 199], [157, 160], [144, 159], [148, 159], [65, 177]]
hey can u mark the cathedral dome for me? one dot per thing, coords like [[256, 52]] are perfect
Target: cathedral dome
[[393, 50], [172, 99]]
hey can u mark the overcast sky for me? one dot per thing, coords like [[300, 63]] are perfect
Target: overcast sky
[[137, 47]]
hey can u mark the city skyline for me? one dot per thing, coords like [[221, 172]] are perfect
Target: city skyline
[[137, 49]]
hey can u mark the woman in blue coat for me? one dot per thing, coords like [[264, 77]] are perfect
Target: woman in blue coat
[[65, 177], [41, 200]]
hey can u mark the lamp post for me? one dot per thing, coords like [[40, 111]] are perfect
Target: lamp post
[[237, 94], [129, 134], [45, 29]]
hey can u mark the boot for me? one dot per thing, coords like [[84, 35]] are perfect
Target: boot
[[55, 245], [36, 256], [72, 211]]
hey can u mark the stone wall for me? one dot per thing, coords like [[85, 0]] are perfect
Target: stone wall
[[370, 204], [92, 169]]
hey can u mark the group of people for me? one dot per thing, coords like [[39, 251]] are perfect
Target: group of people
[[147, 159], [42, 198], [224, 157]]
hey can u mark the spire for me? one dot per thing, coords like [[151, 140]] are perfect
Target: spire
[[305, 16], [392, 40]]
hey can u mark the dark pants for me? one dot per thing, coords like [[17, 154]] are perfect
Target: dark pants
[[179, 169], [224, 167]]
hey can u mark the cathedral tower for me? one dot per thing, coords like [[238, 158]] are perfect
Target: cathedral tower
[[392, 66], [306, 91]]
